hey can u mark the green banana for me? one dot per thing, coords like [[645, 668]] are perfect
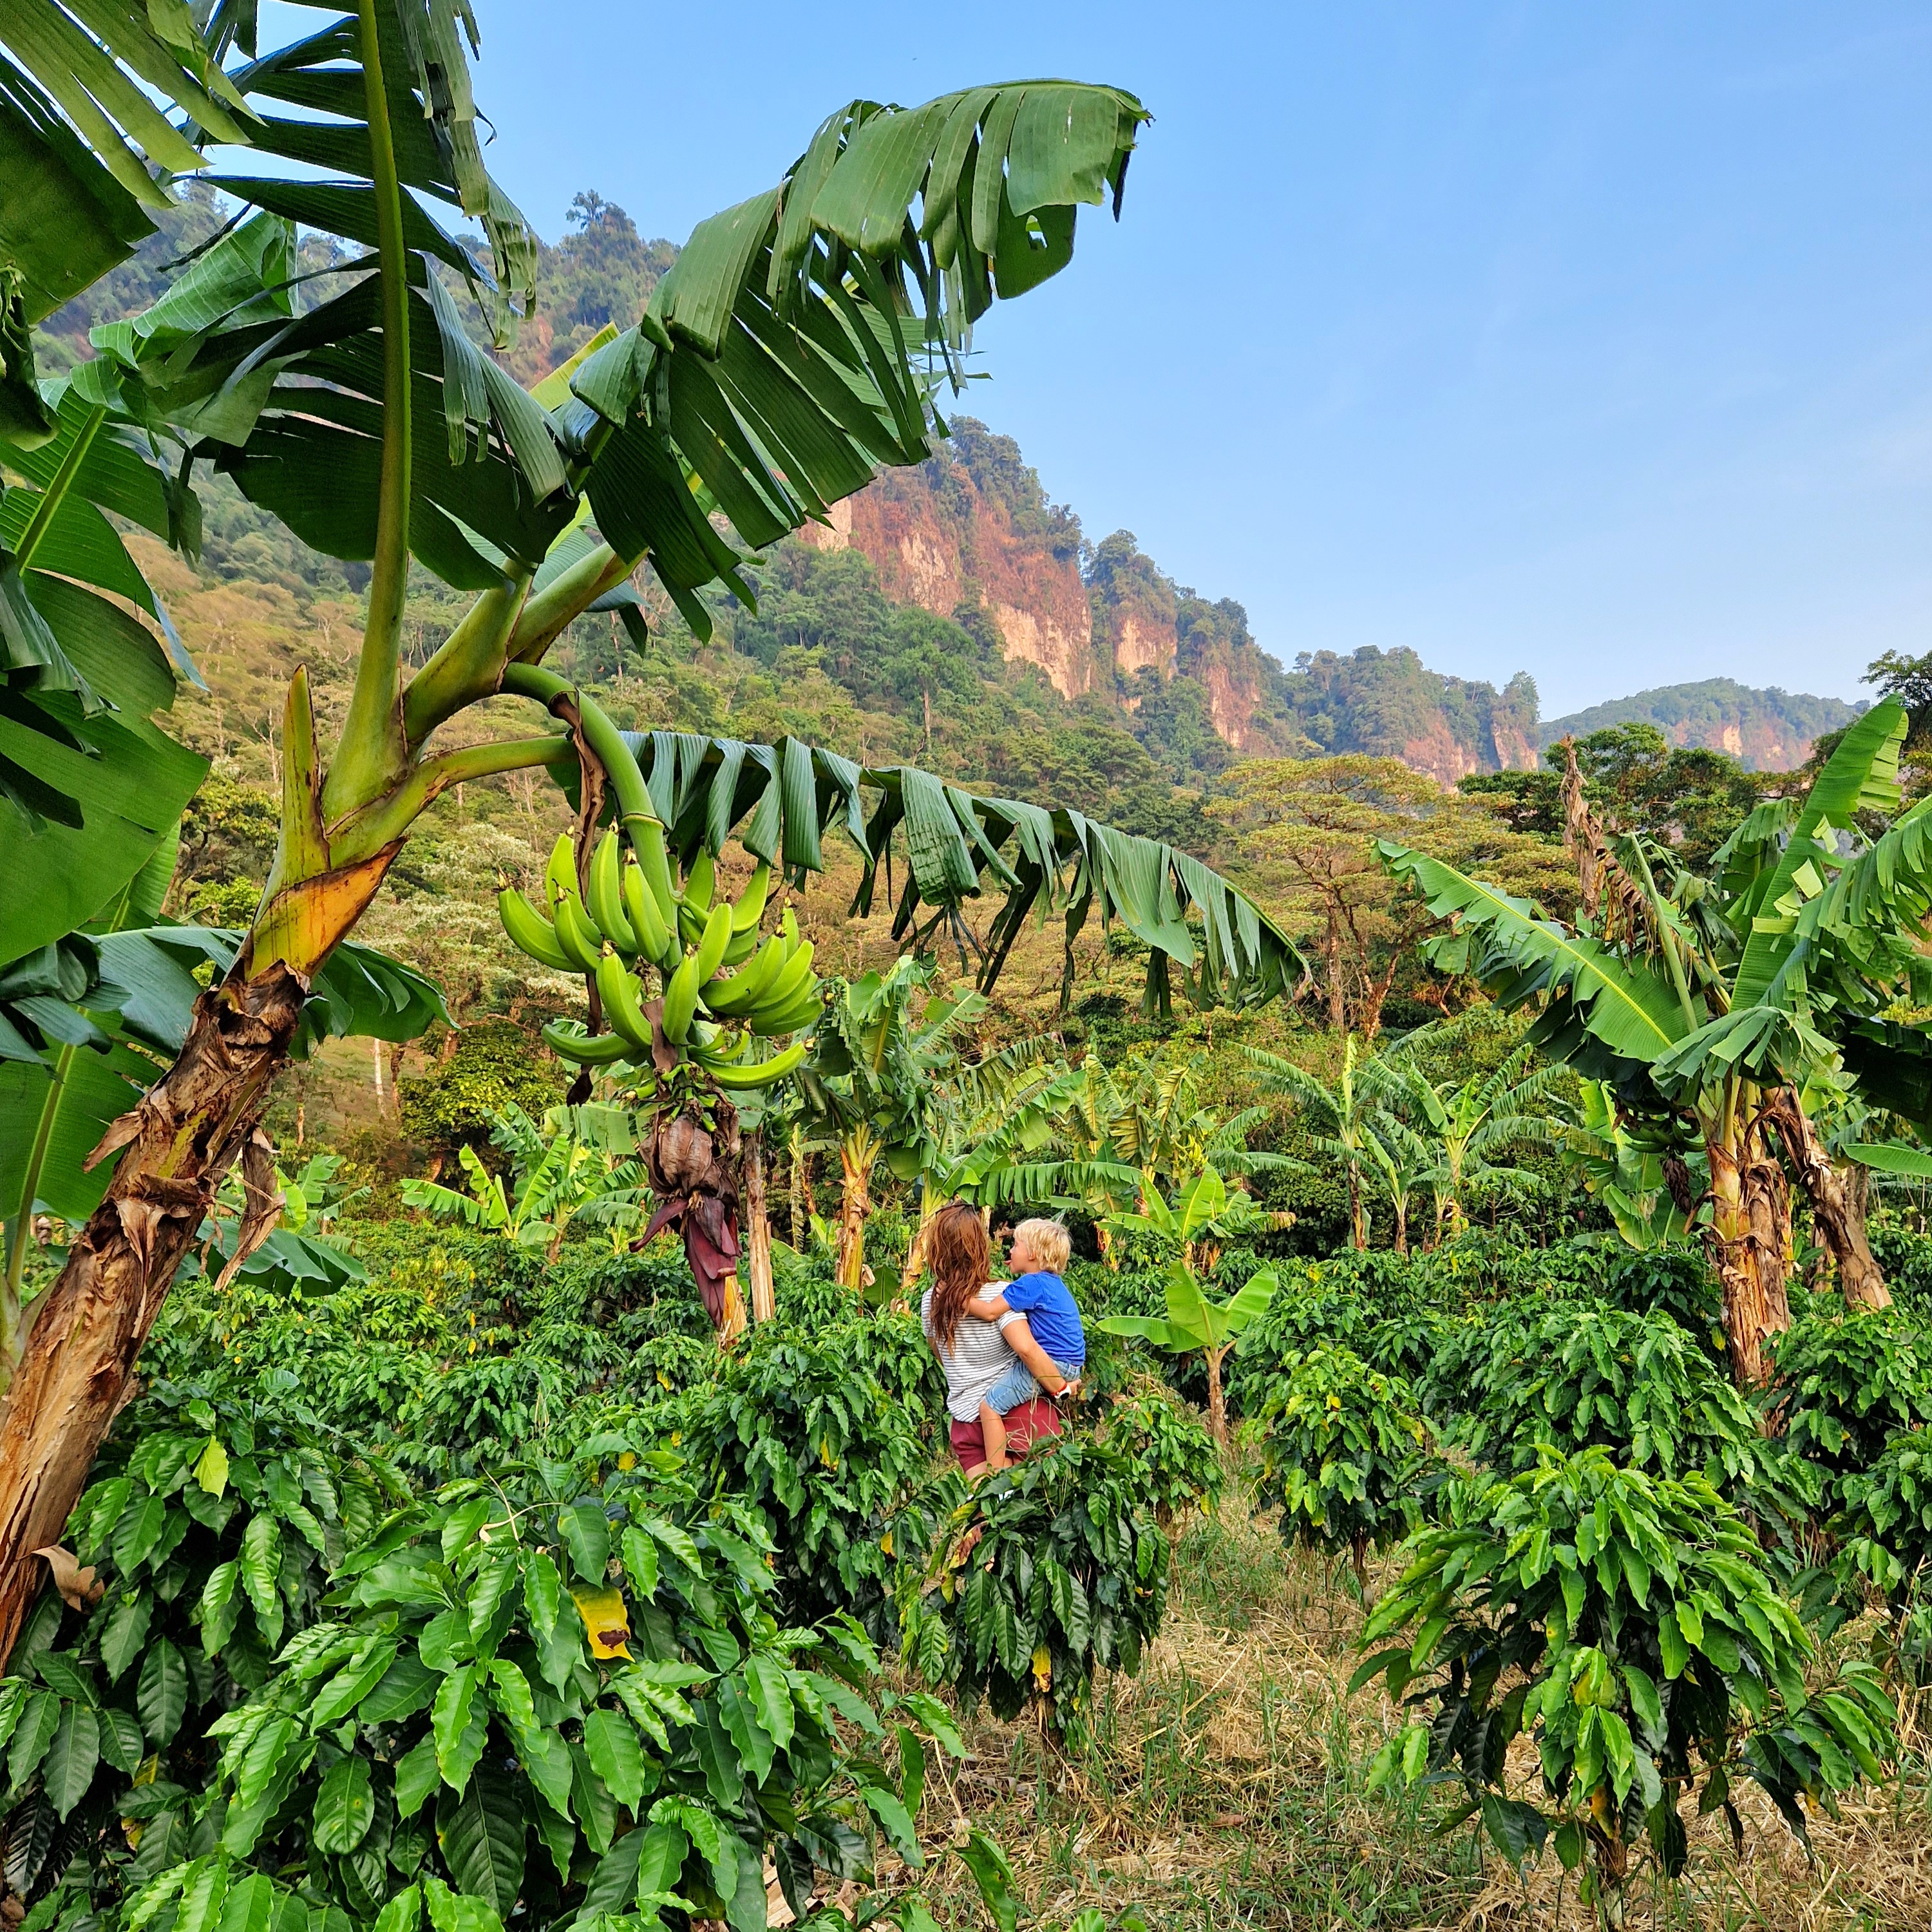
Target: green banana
[[699, 880], [743, 946], [680, 1001], [773, 1025], [584, 1049], [751, 906], [606, 898], [647, 841], [788, 981], [710, 954], [575, 934], [619, 992], [530, 932], [690, 923], [761, 1072], [713, 1057], [560, 870], [744, 990], [653, 936]]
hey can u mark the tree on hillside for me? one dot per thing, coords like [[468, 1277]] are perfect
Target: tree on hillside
[[1713, 1002], [788, 355], [1305, 832], [1689, 798]]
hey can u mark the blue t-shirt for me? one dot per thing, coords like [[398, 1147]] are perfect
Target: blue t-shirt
[[1051, 1314]]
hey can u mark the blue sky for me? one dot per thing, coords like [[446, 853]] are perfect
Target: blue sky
[[1596, 341]]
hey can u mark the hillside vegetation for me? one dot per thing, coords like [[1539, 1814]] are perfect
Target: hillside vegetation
[[1765, 730]]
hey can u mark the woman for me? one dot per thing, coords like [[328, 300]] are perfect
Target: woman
[[975, 1354]]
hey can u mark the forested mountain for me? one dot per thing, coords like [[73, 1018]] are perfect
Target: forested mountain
[[1770, 730]]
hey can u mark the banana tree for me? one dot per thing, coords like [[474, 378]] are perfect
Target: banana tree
[[985, 1120], [1470, 1122], [1347, 1110], [884, 1045], [1630, 1178], [578, 1165], [1193, 1324], [1130, 1131], [1406, 1163], [791, 352], [1711, 1003]]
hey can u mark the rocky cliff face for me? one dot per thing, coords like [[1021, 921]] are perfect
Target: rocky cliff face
[[973, 531], [942, 536]]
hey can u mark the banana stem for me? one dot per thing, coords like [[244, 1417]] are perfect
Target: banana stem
[[468, 664], [571, 593], [370, 755], [375, 825], [601, 736]]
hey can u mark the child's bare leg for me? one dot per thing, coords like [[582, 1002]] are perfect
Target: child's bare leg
[[993, 1427]]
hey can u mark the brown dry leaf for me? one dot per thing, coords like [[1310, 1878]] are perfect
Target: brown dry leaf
[[79, 1588]]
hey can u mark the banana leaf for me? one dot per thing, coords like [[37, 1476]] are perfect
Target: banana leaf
[[1518, 953], [955, 846]]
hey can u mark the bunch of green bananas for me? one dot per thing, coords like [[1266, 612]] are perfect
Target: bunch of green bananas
[[633, 914]]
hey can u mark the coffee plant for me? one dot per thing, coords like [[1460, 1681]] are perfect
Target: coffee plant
[[1843, 1385], [1343, 1449], [804, 1431], [1041, 1577], [1306, 1313], [1567, 1376], [1180, 1469], [563, 1690], [201, 1549], [1626, 1623], [1884, 1527]]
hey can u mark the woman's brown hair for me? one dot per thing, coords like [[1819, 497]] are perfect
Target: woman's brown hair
[[961, 1256]]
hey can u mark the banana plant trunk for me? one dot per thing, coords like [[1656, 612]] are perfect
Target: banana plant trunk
[[1217, 1407], [1749, 1240], [764, 1298], [855, 1173], [930, 1204], [77, 1368]]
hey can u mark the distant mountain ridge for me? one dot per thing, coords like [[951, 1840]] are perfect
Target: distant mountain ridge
[[1770, 730]]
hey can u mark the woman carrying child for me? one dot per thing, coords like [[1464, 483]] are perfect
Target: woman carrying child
[[979, 1355]]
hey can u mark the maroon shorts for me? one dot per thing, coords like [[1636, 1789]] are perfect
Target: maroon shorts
[[1038, 1417]]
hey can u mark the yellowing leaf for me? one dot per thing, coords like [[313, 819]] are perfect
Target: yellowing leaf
[[606, 1618], [1042, 1668], [211, 1472]]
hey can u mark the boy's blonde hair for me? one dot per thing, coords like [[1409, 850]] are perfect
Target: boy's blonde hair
[[1048, 1243]]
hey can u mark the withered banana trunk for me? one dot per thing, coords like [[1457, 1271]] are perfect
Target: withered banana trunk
[[1837, 1206], [78, 1367], [855, 1203]]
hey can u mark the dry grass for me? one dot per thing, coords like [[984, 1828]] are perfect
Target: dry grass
[[1224, 1788]]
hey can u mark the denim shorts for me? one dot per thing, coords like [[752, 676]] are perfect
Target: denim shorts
[[1018, 1384]]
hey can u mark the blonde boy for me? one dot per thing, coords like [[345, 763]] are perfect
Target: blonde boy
[[1039, 1253]]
